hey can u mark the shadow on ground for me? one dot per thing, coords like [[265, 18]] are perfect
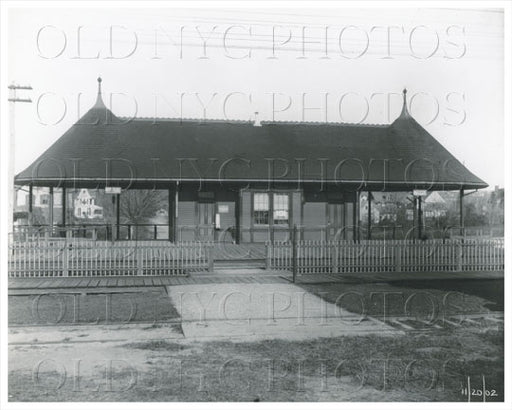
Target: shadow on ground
[[490, 290]]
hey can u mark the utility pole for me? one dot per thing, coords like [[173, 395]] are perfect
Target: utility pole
[[13, 99]]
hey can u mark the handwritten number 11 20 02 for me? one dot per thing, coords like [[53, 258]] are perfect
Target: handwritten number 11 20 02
[[483, 392]]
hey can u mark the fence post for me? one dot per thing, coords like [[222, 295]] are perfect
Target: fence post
[[210, 257], [268, 256], [140, 262], [398, 257], [459, 256], [335, 257], [294, 253], [65, 253], [65, 260]]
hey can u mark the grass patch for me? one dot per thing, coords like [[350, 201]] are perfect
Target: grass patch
[[62, 309], [404, 299]]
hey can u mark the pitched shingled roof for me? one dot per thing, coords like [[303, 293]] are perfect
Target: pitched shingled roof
[[101, 146]]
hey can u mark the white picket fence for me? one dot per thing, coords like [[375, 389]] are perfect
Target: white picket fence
[[96, 258], [388, 256]]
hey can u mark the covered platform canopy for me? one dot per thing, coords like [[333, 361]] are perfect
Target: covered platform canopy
[[103, 150]]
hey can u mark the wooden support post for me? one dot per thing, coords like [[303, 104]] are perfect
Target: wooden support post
[[354, 220], [118, 214], [461, 211], [176, 213], [345, 221], [369, 234], [414, 217], [30, 203], [420, 219], [237, 218], [50, 212], [358, 215], [170, 214], [64, 208], [294, 253], [271, 217]]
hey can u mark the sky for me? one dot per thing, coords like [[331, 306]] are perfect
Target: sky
[[296, 64]]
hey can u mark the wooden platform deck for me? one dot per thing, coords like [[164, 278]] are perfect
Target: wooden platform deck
[[39, 285]]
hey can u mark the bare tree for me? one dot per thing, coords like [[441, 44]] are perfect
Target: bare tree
[[138, 206]]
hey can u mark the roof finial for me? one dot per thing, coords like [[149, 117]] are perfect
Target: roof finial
[[404, 107], [257, 122], [99, 100]]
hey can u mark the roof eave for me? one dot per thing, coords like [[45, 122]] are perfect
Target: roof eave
[[360, 185]]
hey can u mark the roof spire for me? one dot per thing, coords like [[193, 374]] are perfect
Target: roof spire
[[404, 112], [257, 122], [99, 100]]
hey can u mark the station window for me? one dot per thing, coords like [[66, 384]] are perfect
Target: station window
[[281, 209], [261, 208], [278, 209]]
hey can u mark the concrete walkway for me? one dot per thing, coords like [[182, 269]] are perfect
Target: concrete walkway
[[264, 311], [34, 335]]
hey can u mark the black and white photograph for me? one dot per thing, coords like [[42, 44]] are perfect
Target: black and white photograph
[[240, 202]]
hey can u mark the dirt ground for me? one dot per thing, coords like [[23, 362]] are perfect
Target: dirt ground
[[412, 367]]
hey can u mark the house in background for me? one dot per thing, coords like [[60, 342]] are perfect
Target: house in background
[[375, 212], [41, 200], [435, 206], [495, 207], [85, 206], [385, 206]]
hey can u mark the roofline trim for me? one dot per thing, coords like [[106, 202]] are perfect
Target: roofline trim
[[91, 179], [252, 122]]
